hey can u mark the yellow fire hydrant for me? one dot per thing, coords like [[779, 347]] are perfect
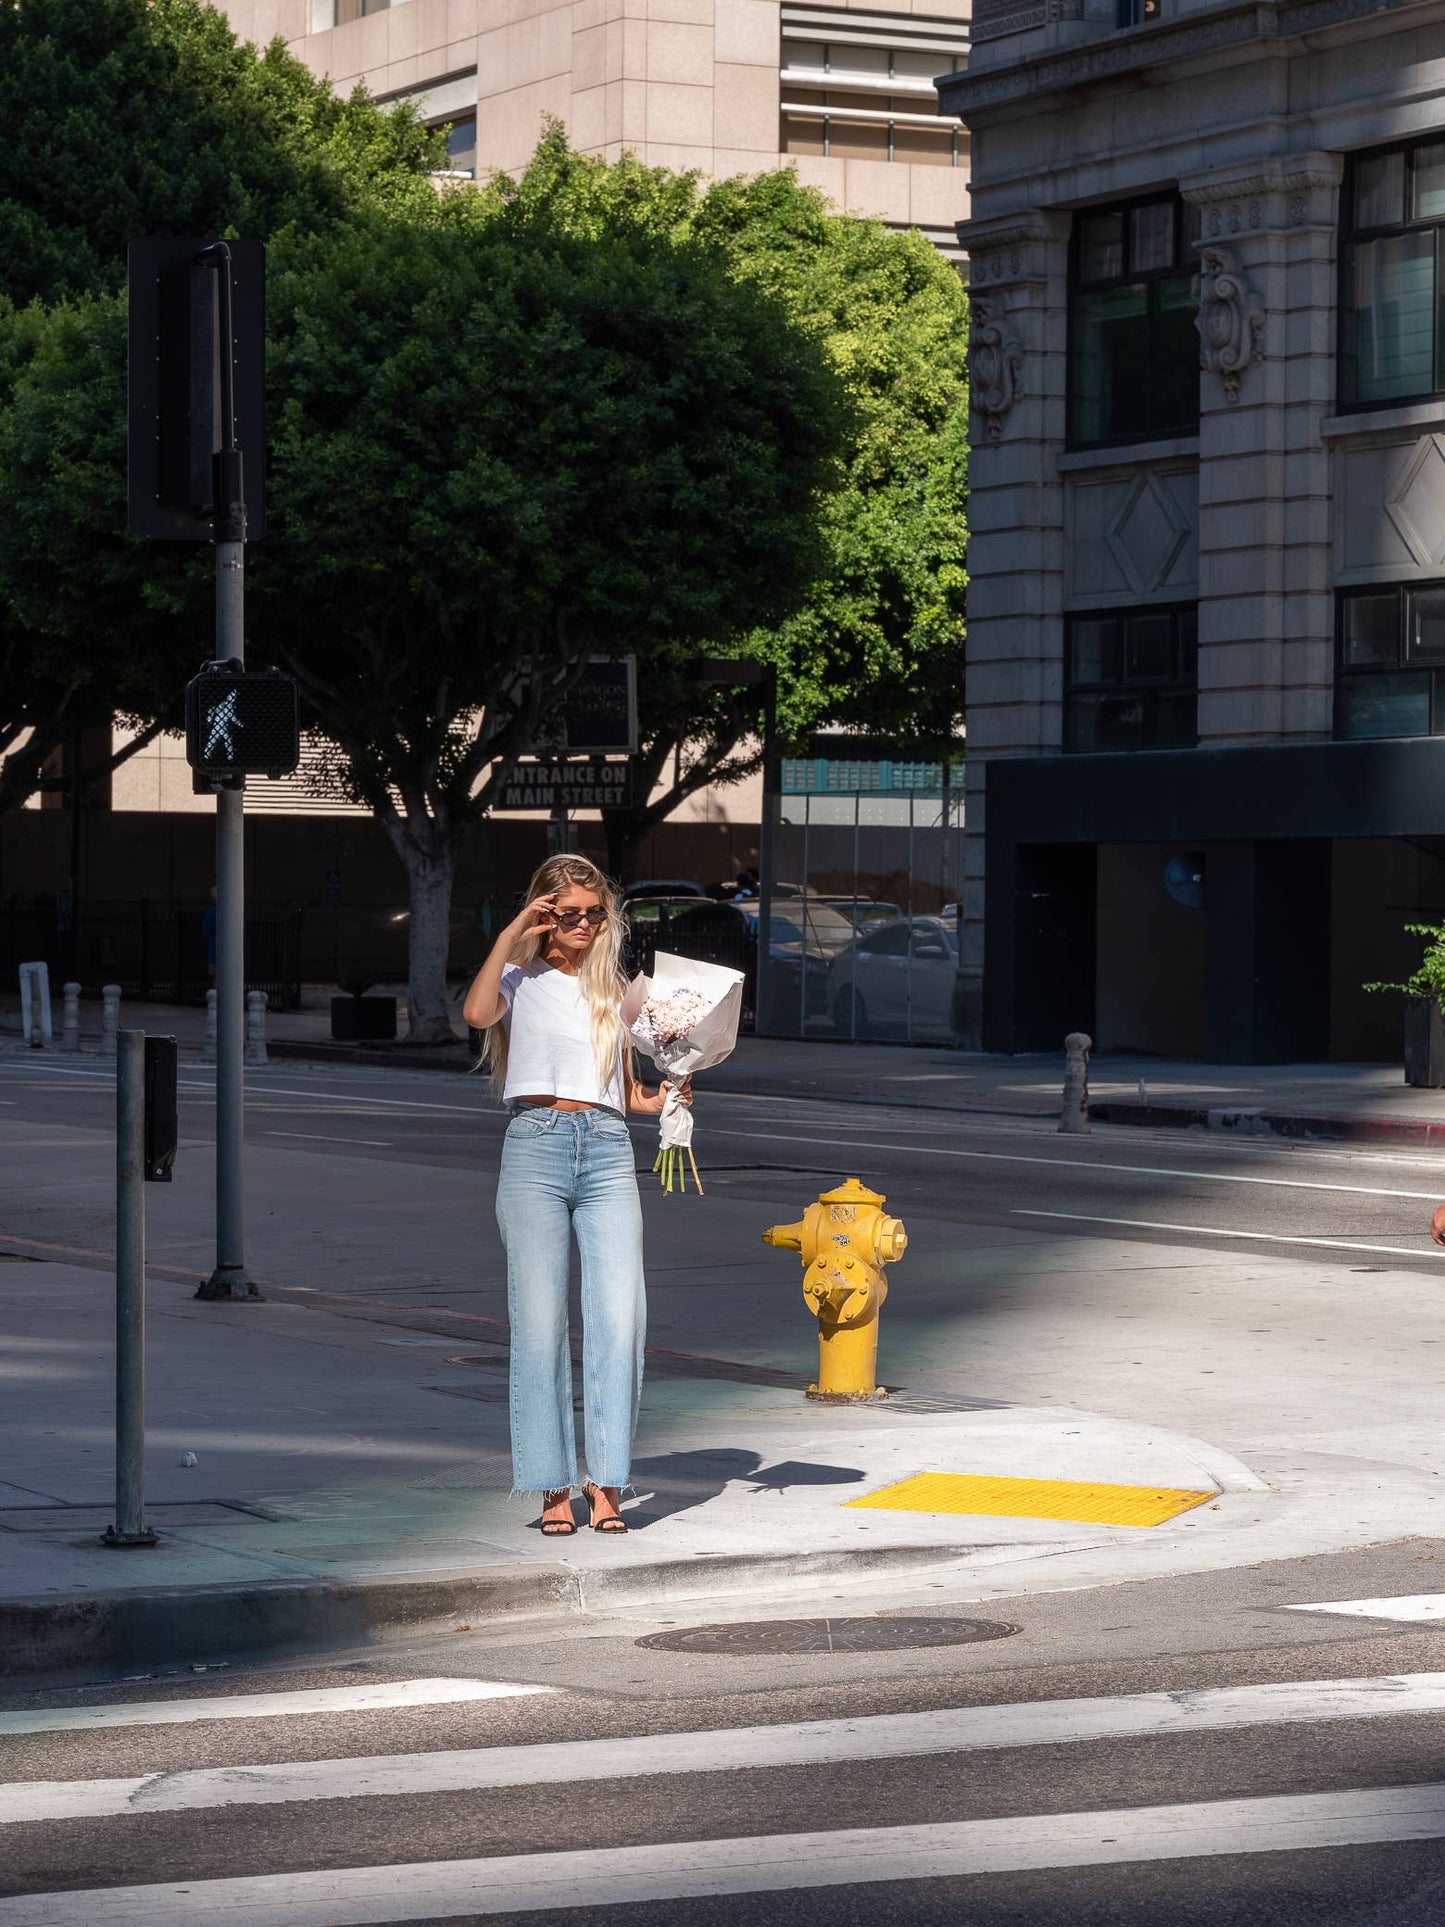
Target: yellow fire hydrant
[[845, 1240]]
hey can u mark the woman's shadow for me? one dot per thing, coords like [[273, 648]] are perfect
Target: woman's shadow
[[674, 1482]]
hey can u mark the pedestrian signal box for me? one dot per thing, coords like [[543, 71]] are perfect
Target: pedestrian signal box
[[242, 723]]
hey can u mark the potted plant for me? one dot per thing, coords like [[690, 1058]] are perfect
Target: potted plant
[[1423, 991]]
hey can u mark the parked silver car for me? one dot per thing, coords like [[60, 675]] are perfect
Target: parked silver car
[[897, 980]]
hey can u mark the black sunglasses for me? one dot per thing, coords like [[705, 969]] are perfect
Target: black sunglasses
[[569, 919]]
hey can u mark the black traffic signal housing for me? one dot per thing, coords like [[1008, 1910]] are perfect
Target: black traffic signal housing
[[162, 1126], [241, 722], [175, 410]]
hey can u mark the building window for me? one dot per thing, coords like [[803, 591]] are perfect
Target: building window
[[1390, 662], [461, 145], [1133, 680], [358, 9], [1136, 13], [1391, 276], [1133, 348], [867, 103]]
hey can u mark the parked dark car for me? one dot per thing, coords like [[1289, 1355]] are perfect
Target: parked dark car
[[659, 887], [805, 934]]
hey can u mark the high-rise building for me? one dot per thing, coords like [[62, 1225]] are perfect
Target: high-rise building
[[726, 86]]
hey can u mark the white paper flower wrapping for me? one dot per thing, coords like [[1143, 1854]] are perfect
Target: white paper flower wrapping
[[685, 1018]]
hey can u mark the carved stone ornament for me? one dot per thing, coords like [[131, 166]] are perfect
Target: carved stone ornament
[[1230, 319], [995, 360]]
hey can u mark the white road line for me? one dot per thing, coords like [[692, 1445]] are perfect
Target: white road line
[[1083, 1164], [1410, 1606], [265, 1706], [1218, 1231], [886, 1736], [766, 1863], [327, 1137]]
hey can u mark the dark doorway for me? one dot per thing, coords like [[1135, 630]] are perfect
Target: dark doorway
[[1055, 918]]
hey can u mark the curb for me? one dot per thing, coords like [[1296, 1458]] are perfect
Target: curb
[[1261, 1123], [179, 1625]]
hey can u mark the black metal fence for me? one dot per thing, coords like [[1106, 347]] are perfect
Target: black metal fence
[[155, 953]]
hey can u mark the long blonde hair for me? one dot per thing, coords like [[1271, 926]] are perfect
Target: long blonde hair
[[600, 975]]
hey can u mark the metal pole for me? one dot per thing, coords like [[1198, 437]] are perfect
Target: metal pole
[[761, 1013], [130, 1528], [230, 1278]]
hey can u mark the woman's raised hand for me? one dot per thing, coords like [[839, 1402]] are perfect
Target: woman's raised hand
[[539, 914]]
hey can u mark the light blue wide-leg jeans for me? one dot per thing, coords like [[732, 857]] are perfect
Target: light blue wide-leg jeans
[[565, 1172]]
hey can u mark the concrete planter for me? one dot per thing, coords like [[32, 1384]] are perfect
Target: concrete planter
[[1424, 1044], [366, 1020]]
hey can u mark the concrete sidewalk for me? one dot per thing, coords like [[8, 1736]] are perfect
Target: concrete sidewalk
[[352, 1470], [1362, 1102]]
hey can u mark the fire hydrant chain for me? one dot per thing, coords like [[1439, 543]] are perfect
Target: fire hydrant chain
[[845, 1240]]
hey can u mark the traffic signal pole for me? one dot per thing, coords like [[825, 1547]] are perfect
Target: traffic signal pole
[[230, 1279]]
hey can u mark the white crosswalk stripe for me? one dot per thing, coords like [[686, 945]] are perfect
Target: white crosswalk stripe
[[767, 1863], [681, 1869], [731, 1749], [377, 1695], [1409, 1607]]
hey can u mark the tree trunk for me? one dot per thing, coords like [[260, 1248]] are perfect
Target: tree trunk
[[430, 873]]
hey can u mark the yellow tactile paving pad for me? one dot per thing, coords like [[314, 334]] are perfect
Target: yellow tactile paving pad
[[1080, 1499]]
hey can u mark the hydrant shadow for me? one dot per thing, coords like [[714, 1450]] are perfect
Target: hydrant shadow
[[675, 1482]]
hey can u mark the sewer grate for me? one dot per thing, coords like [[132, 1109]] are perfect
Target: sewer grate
[[879, 1635]]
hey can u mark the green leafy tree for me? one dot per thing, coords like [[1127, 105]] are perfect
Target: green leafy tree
[[122, 118], [530, 426], [878, 640]]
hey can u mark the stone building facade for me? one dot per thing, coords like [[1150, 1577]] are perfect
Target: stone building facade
[[1206, 650], [844, 91]]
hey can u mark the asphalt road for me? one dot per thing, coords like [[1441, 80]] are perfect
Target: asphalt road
[[1340, 1202], [1281, 1300], [1240, 1765]]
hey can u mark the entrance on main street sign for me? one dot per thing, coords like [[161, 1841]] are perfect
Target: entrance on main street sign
[[593, 785]]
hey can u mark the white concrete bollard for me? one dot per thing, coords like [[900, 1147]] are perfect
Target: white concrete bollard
[[35, 1004], [70, 1026], [256, 1027], [109, 1018], [1075, 1114], [208, 1049]]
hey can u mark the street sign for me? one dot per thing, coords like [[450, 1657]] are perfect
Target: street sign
[[175, 412], [242, 722], [590, 785], [601, 714]]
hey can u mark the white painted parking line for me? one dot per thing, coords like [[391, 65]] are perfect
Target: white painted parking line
[[1417, 1606], [888, 1736], [1224, 1231], [1084, 1164], [374, 1696], [766, 1863]]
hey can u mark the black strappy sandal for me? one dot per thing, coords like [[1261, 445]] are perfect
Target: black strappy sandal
[[558, 1528], [614, 1522]]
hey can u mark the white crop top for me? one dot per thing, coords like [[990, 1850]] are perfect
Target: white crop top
[[549, 1033]]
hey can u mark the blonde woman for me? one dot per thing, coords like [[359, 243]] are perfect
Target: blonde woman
[[548, 998]]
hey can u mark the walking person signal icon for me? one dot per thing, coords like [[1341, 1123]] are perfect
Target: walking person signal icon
[[241, 723]]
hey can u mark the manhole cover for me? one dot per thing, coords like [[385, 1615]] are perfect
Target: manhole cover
[[828, 1635]]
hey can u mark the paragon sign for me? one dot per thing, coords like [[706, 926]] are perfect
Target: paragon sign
[[556, 785]]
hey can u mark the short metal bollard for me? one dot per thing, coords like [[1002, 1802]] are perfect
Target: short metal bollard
[[255, 1052], [1075, 1114], [70, 1023], [109, 1018], [35, 1004], [208, 1049]]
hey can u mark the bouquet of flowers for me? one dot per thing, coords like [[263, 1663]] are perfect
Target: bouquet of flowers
[[685, 1018]]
